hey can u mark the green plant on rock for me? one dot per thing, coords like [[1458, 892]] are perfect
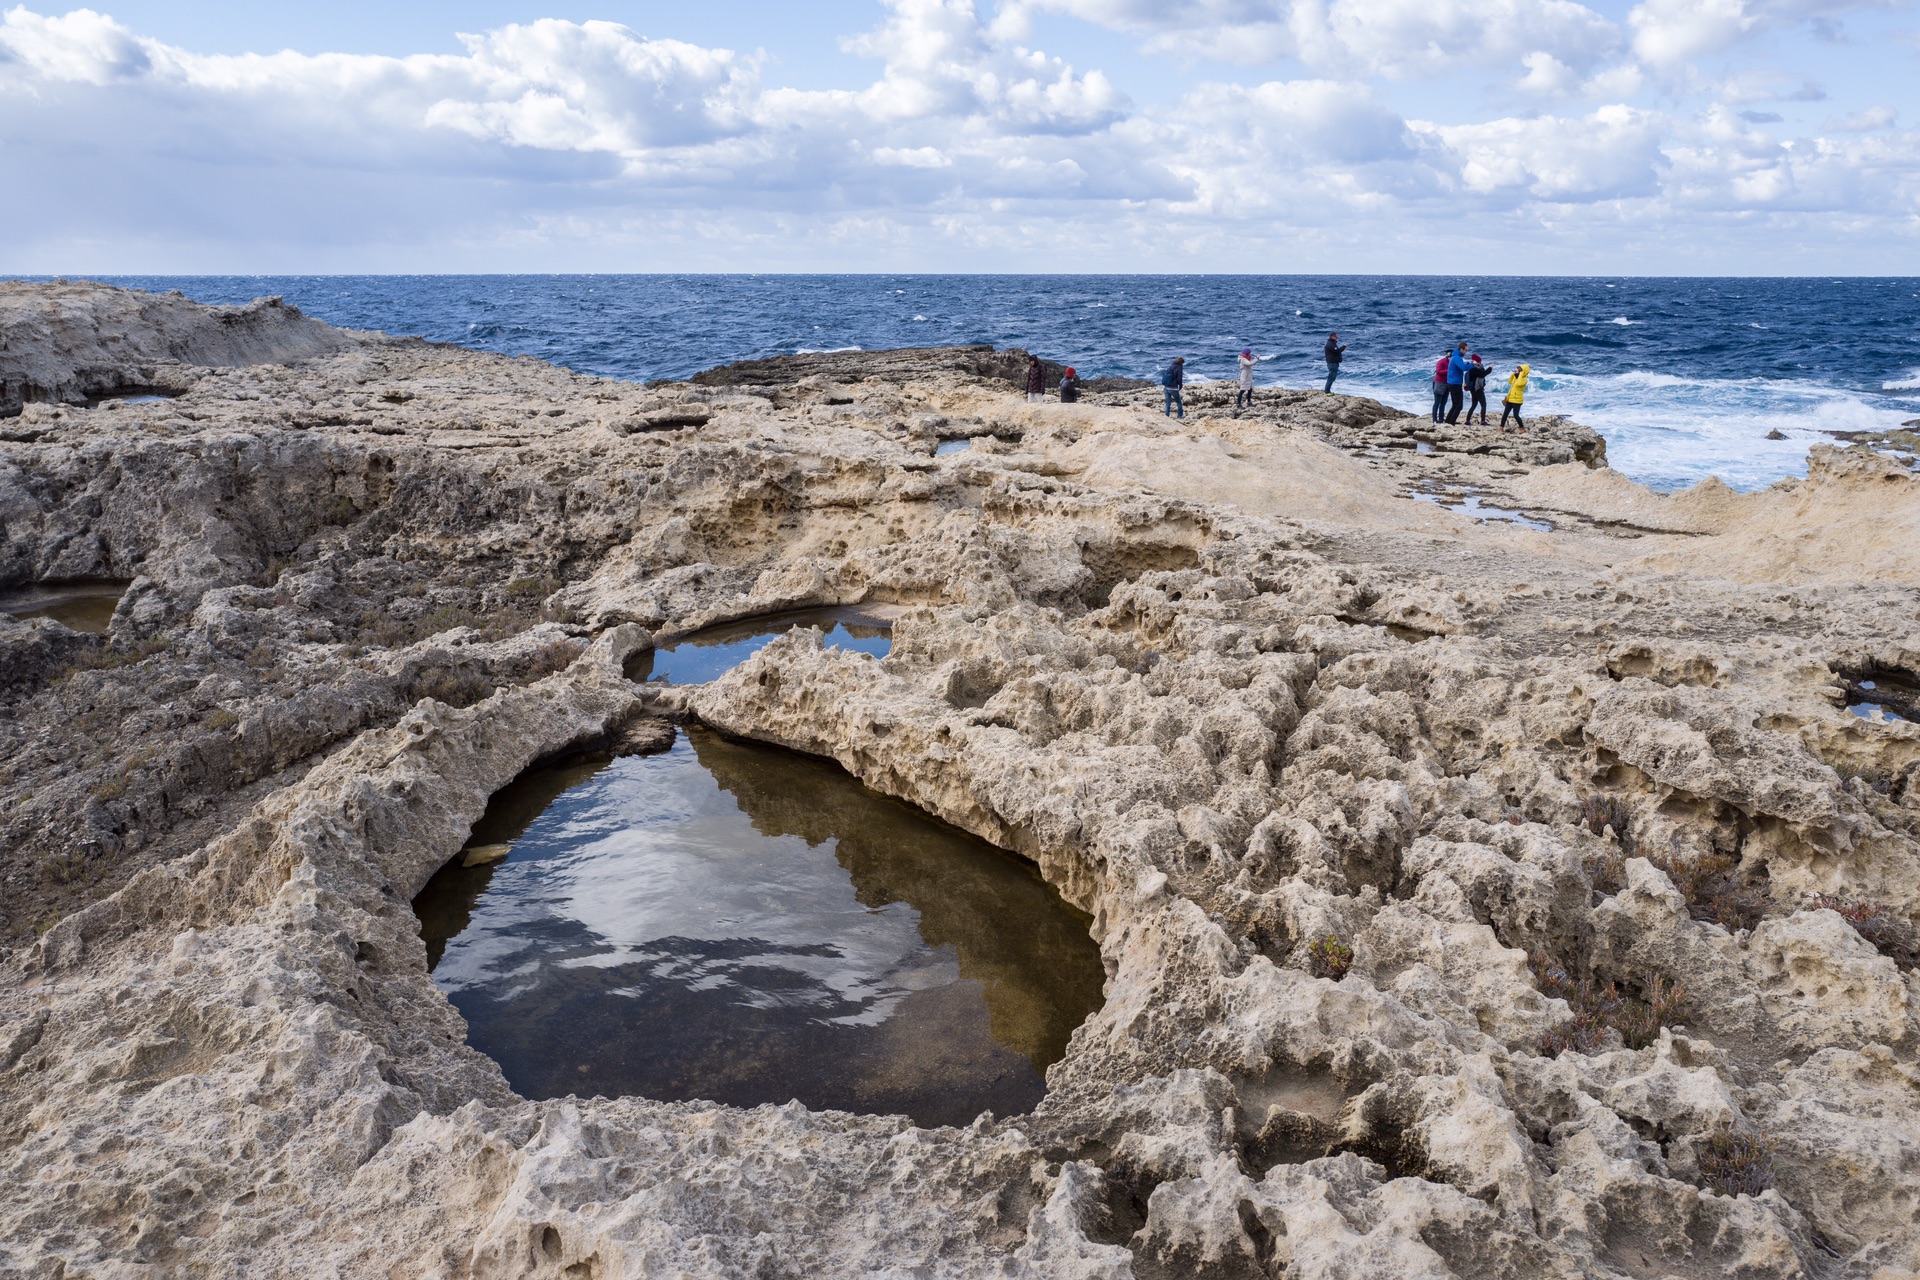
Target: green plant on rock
[[338, 509], [1735, 1164], [1329, 958]]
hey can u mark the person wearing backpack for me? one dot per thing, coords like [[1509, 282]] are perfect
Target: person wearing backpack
[[1516, 392]]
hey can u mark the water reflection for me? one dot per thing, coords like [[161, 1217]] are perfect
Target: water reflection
[[734, 922], [710, 654], [83, 605]]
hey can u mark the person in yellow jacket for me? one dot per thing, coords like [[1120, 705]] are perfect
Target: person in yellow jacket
[[1516, 392]]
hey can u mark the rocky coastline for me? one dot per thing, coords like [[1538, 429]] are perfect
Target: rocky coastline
[[1499, 869]]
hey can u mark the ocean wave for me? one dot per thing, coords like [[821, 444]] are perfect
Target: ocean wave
[[1622, 320], [823, 351], [1909, 383]]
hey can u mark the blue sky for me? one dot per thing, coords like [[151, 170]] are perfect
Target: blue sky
[[1667, 136]]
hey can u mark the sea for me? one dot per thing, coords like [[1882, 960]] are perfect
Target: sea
[[1686, 378]]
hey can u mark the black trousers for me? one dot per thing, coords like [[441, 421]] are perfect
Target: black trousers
[[1479, 402], [1509, 407], [1455, 393]]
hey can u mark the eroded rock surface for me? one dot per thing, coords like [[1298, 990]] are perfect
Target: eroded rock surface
[[1475, 900]]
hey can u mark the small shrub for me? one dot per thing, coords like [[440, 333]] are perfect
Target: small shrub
[[1601, 812], [1735, 1164], [1893, 937], [1713, 888], [533, 588], [111, 657], [550, 658], [113, 788], [1599, 1009], [337, 509], [1329, 958], [1607, 869], [219, 720]]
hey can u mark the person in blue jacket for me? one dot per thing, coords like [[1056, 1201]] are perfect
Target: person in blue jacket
[[1457, 366], [1171, 381]]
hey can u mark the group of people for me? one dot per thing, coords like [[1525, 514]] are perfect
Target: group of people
[[1459, 380]]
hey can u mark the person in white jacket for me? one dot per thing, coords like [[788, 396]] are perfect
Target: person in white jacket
[[1247, 361]]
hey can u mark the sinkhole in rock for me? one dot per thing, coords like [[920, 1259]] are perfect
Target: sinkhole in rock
[[82, 604], [739, 923], [707, 655]]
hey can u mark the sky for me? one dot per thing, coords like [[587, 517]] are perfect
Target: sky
[[1668, 137]]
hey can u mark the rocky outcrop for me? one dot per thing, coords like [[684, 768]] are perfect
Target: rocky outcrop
[[72, 343], [1475, 900]]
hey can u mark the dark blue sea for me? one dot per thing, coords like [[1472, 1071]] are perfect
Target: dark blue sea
[[1685, 377]]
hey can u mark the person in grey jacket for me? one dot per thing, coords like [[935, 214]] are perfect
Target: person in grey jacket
[[1336, 349]]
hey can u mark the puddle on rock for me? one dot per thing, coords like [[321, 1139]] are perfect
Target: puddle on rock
[[1472, 505], [1895, 702], [709, 654], [947, 448], [739, 923], [82, 604]]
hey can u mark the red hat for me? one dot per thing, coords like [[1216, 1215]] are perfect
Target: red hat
[[1070, 373]]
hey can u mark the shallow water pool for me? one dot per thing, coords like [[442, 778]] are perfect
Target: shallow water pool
[[709, 654], [734, 922], [86, 605]]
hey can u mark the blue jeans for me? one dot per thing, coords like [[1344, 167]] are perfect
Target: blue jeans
[[1333, 371], [1174, 402]]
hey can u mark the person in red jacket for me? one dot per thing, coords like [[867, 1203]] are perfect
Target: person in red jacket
[[1440, 386]]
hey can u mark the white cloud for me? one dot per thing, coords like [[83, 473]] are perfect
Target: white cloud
[[963, 138]]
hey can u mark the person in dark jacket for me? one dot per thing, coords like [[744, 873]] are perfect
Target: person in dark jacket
[[1069, 386], [1171, 381], [1036, 380], [1457, 363], [1439, 388], [1477, 388], [1336, 349]]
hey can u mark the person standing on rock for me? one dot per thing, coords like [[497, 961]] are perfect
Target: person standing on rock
[[1069, 386], [1171, 382], [1036, 380], [1439, 389], [1336, 351], [1457, 364], [1477, 388], [1247, 361], [1516, 392]]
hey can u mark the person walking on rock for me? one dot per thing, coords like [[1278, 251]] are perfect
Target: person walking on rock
[[1247, 361], [1036, 380], [1516, 392], [1336, 349], [1457, 364], [1439, 388], [1171, 382], [1069, 386], [1477, 388]]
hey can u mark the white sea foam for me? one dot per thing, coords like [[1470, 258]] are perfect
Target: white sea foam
[[1622, 320], [1909, 383], [1670, 432], [823, 351]]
